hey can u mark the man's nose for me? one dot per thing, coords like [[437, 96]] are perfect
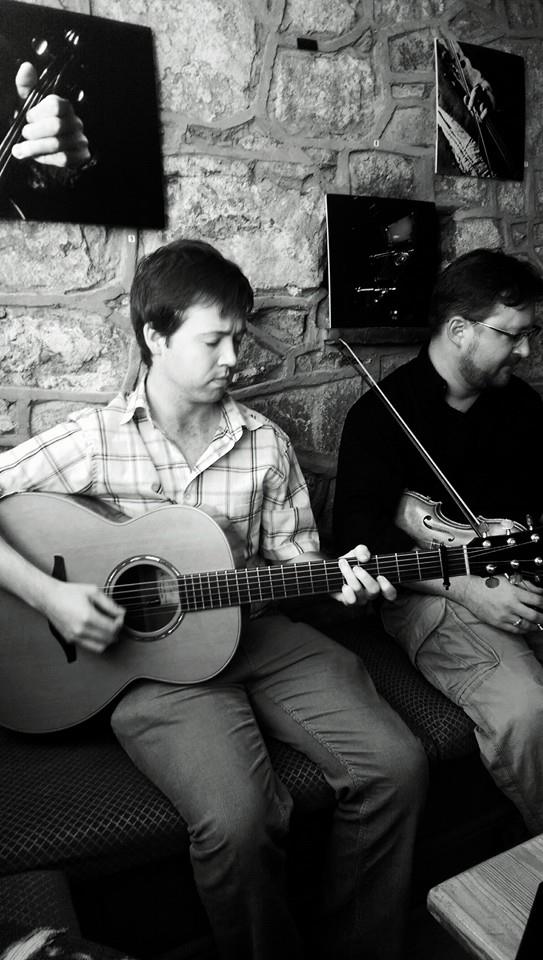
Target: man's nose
[[522, 349], [229, 354]]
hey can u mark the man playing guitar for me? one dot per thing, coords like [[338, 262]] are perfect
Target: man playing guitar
[[180, 438]]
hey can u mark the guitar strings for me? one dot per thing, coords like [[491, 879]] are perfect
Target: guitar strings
[[295, 570], [229, 586], [226, 599]]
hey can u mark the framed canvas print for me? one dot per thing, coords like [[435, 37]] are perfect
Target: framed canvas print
[[480, 111], [98, 76], [382, 258]]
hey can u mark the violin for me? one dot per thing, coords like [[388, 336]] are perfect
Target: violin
[[424, 521]]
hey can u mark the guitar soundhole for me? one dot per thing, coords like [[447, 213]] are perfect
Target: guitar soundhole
[[147, 589]]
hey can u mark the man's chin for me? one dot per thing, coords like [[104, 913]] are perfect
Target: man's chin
[[219, 387]]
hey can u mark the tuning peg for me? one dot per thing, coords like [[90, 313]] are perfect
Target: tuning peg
[[529, 522], [40, 46], [71, 37], [76, 94]]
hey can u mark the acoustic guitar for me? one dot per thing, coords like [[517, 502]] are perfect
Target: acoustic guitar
[[172, 569]]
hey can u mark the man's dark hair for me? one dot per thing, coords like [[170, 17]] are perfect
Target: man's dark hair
[[179, 275], [472, 285]]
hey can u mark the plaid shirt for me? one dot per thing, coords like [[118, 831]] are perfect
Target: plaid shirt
[[248, 473]]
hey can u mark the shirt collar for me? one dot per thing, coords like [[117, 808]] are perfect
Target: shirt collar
[[137, 400], [427, 375], [235, 416]]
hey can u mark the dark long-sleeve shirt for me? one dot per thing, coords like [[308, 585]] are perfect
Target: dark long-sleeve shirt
[[490, 454]]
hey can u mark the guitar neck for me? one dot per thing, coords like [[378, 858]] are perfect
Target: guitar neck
[[225, 588]]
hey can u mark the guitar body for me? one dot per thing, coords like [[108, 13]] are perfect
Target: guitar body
[[47, 685]]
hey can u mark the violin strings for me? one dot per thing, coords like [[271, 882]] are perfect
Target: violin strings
[[45, 84], [464, 82]]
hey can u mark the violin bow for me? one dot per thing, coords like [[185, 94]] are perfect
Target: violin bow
[[461, 504]]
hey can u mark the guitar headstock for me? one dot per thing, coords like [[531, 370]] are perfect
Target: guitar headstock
[[519, 553]]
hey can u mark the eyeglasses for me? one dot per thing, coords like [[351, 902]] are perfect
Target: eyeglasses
[[515, 338]]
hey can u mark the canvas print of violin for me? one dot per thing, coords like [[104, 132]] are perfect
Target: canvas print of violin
[[55, 69], [480, 111], [98, 76]]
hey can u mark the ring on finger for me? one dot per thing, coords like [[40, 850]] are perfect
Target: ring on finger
[[517, 623]]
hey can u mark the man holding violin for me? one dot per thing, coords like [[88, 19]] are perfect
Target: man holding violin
[[52, 143], [479, 641]]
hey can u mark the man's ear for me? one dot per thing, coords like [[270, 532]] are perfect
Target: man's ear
[[457, 328], [155, 341]]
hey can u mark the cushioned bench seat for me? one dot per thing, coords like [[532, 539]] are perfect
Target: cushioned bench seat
[[78, 802], [75, 802]]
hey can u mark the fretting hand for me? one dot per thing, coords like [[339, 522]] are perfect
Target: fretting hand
[[53, 134], [480, 100], [360, 587]]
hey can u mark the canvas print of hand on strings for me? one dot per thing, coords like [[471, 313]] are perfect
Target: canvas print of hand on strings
[[480, 108]]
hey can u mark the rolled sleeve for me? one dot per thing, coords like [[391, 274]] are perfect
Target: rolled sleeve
[[56, 461], [288, 525]]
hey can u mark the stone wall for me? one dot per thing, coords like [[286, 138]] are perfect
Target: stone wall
[[255, 132]]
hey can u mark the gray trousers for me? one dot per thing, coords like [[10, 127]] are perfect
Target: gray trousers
[[495, 676], [202, 746]]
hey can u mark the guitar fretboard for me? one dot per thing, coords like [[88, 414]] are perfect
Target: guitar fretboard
[[226, 588]]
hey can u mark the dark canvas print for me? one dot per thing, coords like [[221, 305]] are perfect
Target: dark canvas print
[[88, 83], [382, 257], [480, 111]]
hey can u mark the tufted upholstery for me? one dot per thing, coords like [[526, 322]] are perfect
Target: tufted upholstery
[[80, 804], [444, 729], [38, 920], [37, 898], [45, 943]]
